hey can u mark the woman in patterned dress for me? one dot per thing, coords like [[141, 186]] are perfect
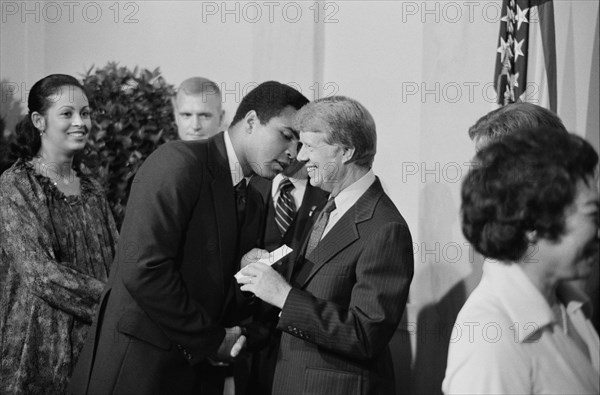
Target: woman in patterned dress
[[58, 238]]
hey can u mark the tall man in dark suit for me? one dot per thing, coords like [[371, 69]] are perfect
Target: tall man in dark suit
[[190, 217], [350, 280]]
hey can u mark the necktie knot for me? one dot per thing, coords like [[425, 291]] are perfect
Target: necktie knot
[[240, 200], [286, 185], [330, 206], [240, 187]]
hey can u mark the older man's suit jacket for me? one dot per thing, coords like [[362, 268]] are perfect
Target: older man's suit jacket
[[348, 297], [164, 308]]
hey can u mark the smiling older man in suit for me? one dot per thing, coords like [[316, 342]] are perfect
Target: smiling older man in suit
[[291, 201], [349, 282], [162, 320]]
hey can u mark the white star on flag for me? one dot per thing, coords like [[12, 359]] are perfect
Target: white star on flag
[[521, 16], [503, 48], [513, 80], [518, 51]]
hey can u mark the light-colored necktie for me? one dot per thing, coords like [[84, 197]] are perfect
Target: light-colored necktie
[[319, 227]]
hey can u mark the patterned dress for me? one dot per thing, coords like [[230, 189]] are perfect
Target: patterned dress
[[58, 250]]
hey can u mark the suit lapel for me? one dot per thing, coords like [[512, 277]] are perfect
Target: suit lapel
[[343, 234], [308, 213], [312, 200], [223, 203], [263, 186]]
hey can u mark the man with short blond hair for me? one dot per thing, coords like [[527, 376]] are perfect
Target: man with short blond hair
[[197, 109]]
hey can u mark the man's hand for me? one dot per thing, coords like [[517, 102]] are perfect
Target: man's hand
[[254, 255], [265, 283], [230, 347]]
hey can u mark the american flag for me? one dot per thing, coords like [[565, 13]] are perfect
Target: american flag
[[526, 59]]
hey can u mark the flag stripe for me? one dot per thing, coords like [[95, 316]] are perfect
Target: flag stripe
[[547, 28]]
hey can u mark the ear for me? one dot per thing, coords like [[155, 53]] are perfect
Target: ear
[[347, 154], [531, 236], [38, 121], [221, 117], [251, 121]]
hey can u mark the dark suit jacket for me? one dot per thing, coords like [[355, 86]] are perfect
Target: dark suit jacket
[[348, 297], [163, 311]]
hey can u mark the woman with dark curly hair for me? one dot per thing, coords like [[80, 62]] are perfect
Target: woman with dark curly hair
[[58, 238], [530, 205]]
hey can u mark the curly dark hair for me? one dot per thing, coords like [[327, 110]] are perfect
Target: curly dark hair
[[269, 99], [523, 182]]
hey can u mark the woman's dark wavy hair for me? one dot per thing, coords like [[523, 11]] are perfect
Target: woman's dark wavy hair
[[42, 95], [522, 183]]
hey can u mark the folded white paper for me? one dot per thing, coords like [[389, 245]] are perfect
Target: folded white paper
[[274, 256]]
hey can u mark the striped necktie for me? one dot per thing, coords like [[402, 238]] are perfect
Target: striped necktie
[[285, 208]]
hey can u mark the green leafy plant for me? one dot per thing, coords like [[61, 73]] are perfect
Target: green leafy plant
[[132, 116]]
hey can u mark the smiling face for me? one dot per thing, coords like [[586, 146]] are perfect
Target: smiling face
[[324, 162], [272, 145], [66, 124], [576, 251], [198, 116]]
